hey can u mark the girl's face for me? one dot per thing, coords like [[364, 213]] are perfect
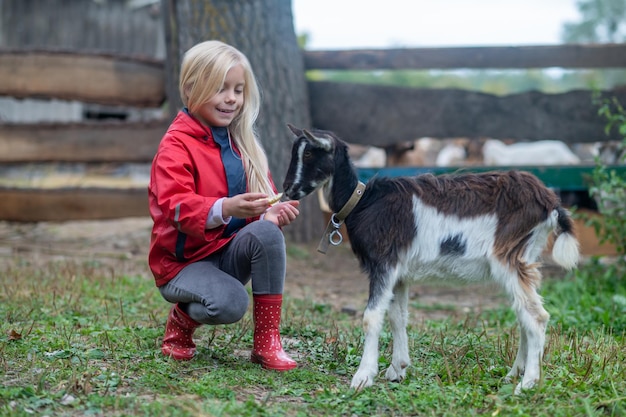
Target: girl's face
[[220, 110]]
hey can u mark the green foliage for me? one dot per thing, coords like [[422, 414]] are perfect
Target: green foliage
[[602, 21], [609, 188], [594, 297], [77, 339]]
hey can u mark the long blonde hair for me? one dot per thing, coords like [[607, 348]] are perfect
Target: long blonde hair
[[203, 71]]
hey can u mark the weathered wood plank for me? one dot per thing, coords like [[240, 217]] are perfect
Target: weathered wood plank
[[84, 142], [30, 205], [103, 79], [383, 115], [504, 57]]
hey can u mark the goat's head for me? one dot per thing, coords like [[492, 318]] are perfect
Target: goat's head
[[312, 162]]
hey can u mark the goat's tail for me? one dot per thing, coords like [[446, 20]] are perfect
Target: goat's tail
[[566, 251]]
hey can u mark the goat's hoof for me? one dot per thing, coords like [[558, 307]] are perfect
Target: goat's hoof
[[361, 380], [525, 385], [395, 374], [513, 374]]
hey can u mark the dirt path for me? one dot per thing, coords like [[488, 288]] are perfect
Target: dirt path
[[333, 279]]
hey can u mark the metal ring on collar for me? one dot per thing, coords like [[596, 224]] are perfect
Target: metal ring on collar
[[334, 240], [336, 223]]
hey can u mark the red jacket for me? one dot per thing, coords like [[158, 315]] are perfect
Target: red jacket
[[186, 179]]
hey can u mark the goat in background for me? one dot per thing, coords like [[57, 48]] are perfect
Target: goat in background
[[470, 226], [542, 152]]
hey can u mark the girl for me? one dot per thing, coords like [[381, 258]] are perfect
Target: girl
[[210, 196]]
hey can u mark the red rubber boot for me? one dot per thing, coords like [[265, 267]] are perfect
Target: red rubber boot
[[268, 349], [178, 341]]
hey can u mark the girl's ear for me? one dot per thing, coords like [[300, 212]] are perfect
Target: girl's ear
[[187, 91]]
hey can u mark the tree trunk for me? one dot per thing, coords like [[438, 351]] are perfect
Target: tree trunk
[[263, 30]]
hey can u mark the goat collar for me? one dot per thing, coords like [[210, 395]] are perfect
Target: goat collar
[[332, 235]]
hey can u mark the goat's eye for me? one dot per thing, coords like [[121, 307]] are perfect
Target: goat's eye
[[308, 154]]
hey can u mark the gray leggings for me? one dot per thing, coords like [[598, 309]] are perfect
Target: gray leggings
[[212, 291]]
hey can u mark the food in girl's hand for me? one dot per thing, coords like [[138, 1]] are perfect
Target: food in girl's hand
[[275, 199]]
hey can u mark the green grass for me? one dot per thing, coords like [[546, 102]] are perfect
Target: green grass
[[77, 339]]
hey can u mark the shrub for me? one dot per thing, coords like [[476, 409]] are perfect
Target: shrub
[[608, 187]]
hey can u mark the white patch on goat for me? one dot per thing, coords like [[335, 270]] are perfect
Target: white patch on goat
[[424, 256], [326, 189], [323, 142], [327, 143], [539, 237], [566, 251], [297, 177]]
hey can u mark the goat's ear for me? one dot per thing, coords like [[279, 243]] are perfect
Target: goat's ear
[[294, 130], [323, 142]]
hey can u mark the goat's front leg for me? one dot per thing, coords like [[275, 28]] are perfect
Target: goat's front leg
[[377, 305], [398, 318], [368, 368]]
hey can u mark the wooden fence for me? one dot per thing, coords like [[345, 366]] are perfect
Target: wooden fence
[[381, 115], [366, 114]]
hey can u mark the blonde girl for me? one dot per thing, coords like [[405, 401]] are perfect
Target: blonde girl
[[216, 226]]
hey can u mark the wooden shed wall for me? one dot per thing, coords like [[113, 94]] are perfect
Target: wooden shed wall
[[108, 26]]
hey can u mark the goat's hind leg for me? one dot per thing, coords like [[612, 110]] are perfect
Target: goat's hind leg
[[520, 359], [398, 318], [533, 321]]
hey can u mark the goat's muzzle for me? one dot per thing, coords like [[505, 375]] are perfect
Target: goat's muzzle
[[292, 193]]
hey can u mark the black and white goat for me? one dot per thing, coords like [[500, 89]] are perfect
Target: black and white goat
[[469, 226]]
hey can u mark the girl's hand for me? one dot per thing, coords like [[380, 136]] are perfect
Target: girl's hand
[[245, 205], [283, 213]]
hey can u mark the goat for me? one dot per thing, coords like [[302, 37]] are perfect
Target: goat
[[543, 152], [373, 157], [469, 226], [451, 155], [610, 153], [420, 152], [434, 152]]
